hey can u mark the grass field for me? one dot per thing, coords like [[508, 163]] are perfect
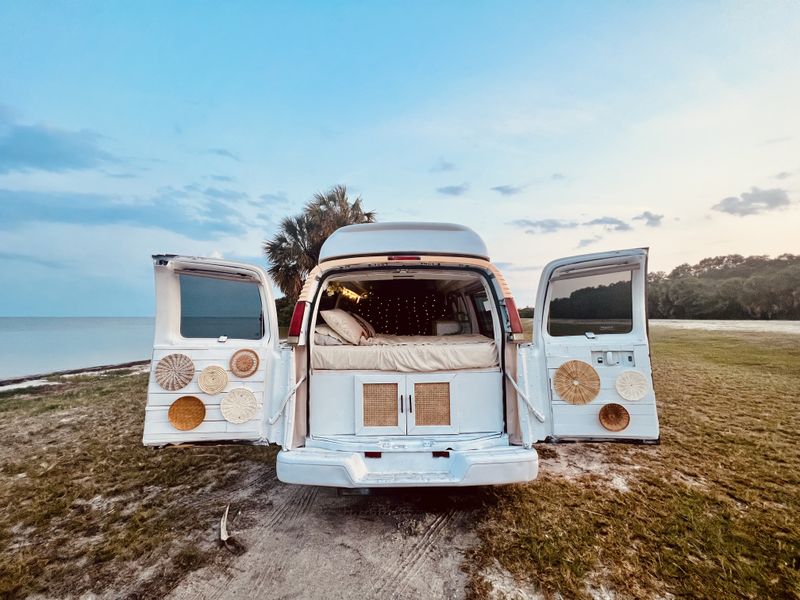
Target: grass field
[[712, 512]]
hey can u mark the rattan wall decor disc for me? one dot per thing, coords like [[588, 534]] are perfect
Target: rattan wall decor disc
[[576, 382], [614, 417], [631, 385], [187, 412], [213, 379], [174, 371], [239, 405], [244, 362]]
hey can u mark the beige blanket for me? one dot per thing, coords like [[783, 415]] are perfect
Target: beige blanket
[[409, 354]]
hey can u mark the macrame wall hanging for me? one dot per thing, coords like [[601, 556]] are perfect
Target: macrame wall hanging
[[212, 379], [614, 417], [576, 382], [174, 371], [239, 405], [187, 412], [244, 362]]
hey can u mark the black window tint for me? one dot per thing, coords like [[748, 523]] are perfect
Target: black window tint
[[212, 307], [483, 314], [599, 304]]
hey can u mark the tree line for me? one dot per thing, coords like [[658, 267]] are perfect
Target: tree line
[[728, 287]]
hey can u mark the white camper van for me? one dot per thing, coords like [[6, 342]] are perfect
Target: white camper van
[[405, 363]]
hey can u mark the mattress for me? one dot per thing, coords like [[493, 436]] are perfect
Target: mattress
[[409, 354]]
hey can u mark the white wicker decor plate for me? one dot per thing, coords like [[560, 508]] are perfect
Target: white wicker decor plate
[[239, 405], [631, 385], [212, 379]]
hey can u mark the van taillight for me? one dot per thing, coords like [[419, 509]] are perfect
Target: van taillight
[[513, 316], [296, 324], [404, 257]]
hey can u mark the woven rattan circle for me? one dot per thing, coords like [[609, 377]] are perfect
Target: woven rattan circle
[[239, 405], [614, 417], [576, 382], [631, 385], [187, 412], [174, 371], [212, 379], [244, 362]]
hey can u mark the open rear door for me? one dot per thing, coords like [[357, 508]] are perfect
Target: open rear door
[[218, 373], [592, 339]]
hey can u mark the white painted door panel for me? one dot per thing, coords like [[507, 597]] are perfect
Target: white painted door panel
[[591, 326]]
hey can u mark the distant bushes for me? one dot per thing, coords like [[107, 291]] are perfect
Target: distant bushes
[[728, 287]]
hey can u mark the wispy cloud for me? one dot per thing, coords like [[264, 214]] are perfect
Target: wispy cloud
[[223, 178], [543, 225], [198, 218], [610, 224], [224, 194], [650, 219], [224, 153], [558, 177], [508, 190], [45, 148], [31, 260], [454, 190], [442, 166], [753, 202], [778, 140], [782, 175], [507, 266], [589, 241], [274, 198]]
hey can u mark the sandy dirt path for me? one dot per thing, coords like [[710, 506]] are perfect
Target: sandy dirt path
[[313, 542]]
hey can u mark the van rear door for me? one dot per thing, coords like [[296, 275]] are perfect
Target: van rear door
[[218, 372], [591, 335]]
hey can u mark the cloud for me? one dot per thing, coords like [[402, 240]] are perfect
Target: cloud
[[442, 166], [778, 140], [558, 177], [610, 224], [200, 218], [31, 260], [224, 194], [26, 148], [224, 153], [508, 190], [225, 178], [275, 198], [453, 190], [589, 241], [650, 219], [783, 175], [753, 202], [543, 225]]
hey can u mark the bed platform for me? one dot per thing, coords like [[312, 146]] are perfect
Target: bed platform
[[409, 354]]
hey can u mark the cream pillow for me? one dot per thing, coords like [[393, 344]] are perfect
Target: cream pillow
[[325, 336], [369, 329], [343, 323]]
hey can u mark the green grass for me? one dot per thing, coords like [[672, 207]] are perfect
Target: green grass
[[87, 508], [713, 512]]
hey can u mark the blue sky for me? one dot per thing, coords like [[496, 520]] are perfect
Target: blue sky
[[128, 129]]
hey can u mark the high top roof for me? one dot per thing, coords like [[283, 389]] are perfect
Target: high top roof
[[403, 238]]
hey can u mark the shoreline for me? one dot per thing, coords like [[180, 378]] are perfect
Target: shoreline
[[34, 377]]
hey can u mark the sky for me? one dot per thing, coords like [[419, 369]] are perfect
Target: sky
[[552, 129]]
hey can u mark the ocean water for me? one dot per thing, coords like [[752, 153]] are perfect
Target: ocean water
[[34, 345]]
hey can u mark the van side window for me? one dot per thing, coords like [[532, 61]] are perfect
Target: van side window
[[483, 313], [212, 307], [599, 304]]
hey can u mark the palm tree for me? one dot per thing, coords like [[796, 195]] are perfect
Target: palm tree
[[294, 250]]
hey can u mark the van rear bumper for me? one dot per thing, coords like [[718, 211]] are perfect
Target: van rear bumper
[[489, 466]]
